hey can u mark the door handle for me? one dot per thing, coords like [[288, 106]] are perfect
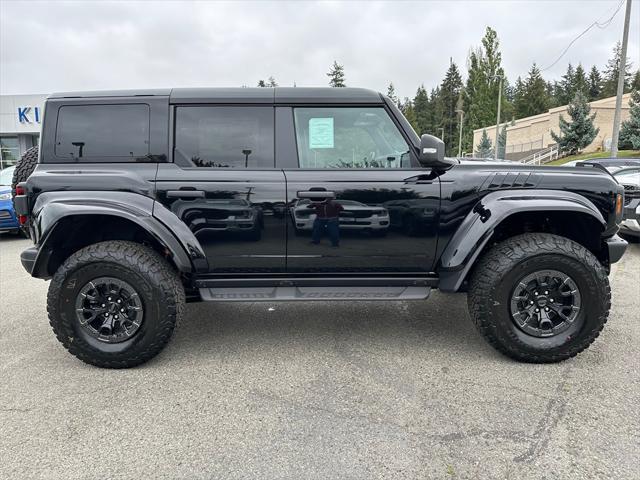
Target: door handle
[[316, 194], [185, 194]]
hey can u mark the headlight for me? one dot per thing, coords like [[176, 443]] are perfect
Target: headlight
[[5, 196], [382, 213]]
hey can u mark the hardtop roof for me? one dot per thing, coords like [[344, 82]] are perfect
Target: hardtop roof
[[278, 95]]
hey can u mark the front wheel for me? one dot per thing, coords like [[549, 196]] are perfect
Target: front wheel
[[115, 304], [539, 298]]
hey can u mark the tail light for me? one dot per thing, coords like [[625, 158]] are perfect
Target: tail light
[[22, 219], [20, 190]]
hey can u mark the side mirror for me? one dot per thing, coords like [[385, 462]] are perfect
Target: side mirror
[[432, 153]]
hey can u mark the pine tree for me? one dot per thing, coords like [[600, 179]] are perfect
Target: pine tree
[[485, 148], [567, 86], [580, 82], [551, 98], [406, 107], [336, 75], [595, 84], [534, 97], [422, 111], [610, 82], [391, 93], [519, 99], [635, 83], [272, 82], [449, 96], [262, 83], [480, 96], [502, 142], [580, 131], [630, 130]]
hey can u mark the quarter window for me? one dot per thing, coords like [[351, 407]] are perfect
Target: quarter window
[[348, 137], [225, 137], [106, 132]]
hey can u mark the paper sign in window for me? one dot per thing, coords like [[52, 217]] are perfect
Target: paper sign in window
[[321, 133]]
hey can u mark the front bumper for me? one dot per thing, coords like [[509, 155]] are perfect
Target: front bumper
[[616, 247], [630, 224]]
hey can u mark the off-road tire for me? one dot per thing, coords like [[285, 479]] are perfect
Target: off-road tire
[[24, 168], [497, 274], [157, 284]]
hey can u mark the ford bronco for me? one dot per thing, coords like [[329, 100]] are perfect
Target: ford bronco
[[138, 201]]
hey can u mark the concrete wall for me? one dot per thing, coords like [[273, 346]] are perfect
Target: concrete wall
[[532, 133]]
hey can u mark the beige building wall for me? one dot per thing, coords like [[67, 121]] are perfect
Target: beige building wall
[[534, 132]]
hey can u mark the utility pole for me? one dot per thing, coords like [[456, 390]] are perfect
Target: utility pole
[[461, 112], [495, 151], [441, 133], [621, 72]]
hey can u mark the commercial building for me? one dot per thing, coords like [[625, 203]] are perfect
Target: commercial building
[[20, 122], [528, 135]]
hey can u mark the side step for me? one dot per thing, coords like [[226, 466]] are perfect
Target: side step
[[299, 293]]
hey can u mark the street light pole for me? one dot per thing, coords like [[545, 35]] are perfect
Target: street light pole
[[461, 112], [441, 133], [621, 72], [495, 151]]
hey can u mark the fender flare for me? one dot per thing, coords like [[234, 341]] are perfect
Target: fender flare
[[173, 235], [478, 226]]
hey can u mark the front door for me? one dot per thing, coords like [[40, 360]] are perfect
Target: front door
[[224, 187], [358, 201]]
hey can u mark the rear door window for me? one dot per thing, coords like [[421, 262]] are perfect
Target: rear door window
[[225, 137], [103, 133]]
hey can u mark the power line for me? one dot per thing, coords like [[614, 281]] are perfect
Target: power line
[[600, 25]]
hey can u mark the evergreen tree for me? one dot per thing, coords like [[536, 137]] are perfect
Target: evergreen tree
[[551, 88], [406, 107], [580, 82], [480, 97], [595, 84], [436, 112], [391, 93], [336, 75], [635, 84], [261, 83], [630, 130], [580, 131], [449, 96], [485, 148], [610, 82], [502, 142], [422, 111], [272, 82], [519, 98], [534, 98], [567, 86]]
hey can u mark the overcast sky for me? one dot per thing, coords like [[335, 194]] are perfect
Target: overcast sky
[[92, 45]]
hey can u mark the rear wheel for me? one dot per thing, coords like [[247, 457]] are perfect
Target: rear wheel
[[539, 297], [115, 304]]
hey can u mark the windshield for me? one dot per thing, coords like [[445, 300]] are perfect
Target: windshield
[[6, 175]]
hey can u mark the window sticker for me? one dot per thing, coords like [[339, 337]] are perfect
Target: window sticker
[[321, 133]]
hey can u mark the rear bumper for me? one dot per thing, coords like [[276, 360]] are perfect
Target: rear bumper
[[616, 247], [631, 218], [28, 259]]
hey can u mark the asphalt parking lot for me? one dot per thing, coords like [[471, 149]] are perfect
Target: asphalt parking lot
[[317, 390]]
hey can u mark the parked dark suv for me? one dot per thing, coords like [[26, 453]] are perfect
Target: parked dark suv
[[142, 200]]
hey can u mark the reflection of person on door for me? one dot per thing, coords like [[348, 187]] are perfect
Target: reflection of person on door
[[327, 213]]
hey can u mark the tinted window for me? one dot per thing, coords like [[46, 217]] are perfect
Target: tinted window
[[94, 131], [349, 138], [225, 137]]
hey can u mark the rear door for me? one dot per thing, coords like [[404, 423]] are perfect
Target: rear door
[[354, 163], [224, 186]]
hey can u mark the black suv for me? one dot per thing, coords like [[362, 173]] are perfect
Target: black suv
[[138, 201]]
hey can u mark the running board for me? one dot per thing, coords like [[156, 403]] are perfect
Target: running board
[[298, 293]]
